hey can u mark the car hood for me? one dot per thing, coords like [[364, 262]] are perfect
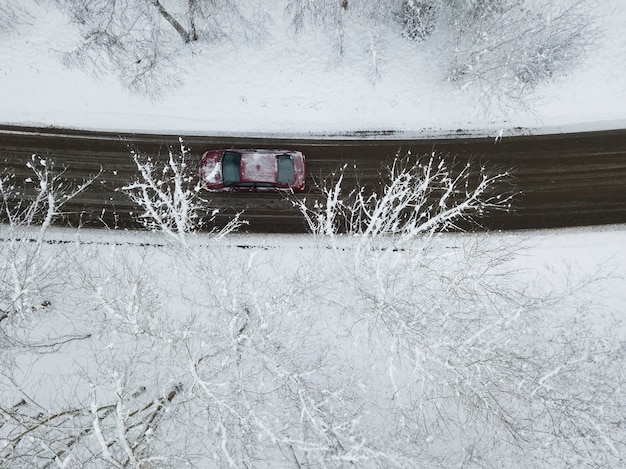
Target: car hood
[[212, 171]]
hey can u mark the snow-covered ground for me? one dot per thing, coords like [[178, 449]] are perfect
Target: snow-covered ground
[[296, 85], [497, 350], [477, 350]]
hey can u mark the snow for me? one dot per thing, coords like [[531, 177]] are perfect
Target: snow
[[315, 317], [154, 310], [212, 171], [298, 86], [258, 167]]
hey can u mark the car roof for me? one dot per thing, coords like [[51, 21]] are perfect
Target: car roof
[[258, 166]]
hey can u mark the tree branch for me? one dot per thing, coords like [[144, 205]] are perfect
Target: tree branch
[[173, 21]]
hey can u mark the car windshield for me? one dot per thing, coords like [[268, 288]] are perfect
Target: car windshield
[[286, 172], [231, 163]]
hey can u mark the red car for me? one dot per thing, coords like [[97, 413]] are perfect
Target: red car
[[253, 170]]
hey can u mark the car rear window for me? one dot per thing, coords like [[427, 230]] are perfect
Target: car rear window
[[286, 172], [231, 163]]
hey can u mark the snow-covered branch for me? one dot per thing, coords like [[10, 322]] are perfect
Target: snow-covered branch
[[169, 193], [417, 196], [29, 208]]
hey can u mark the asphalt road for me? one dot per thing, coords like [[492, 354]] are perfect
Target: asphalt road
[[560, 180]]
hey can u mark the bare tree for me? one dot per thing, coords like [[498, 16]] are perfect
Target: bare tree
[[418, 18], [170, 195], [12, 15], [191, 20], [476, 358], [33, 322], [137, 39], [479, 359], [329, 14], [504, 49], [28, 209], [209, 367], [417, 196]]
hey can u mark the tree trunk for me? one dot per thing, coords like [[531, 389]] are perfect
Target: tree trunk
[[171, 20], [193, 7]]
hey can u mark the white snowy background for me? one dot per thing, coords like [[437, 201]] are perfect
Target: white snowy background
[[297, 84], [140, 349]]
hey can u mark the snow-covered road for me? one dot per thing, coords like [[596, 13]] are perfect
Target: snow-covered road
[[561, 180]]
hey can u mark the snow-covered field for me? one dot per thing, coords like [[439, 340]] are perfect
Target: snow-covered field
[[501, 350], [297, 85], [126, 349]]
